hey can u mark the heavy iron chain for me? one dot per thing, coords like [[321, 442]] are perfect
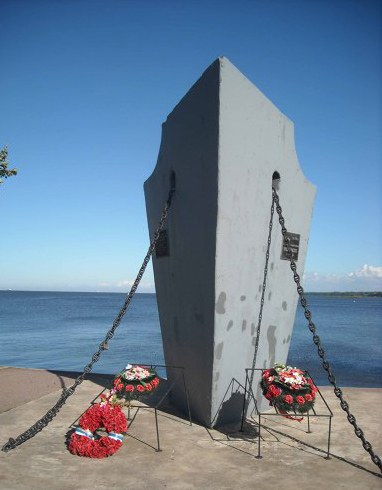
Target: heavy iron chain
[[316, 339], [269, 241], [67, 392]]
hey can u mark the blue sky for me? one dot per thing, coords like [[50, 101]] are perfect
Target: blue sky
[[86, 84]]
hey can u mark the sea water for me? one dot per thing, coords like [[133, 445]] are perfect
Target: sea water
[[61, 331]]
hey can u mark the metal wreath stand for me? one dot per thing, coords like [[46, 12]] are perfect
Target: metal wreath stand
[[308, 315]]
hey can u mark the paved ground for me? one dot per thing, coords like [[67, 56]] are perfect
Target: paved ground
[[192, 457]]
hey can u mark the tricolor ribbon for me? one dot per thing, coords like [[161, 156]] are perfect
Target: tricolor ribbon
[[115, 436], [85, 433]]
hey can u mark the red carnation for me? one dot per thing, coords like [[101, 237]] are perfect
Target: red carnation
[[140, 388], [120, 387], [288, 399], [312, 386], [90, 419], [274, 391], [129, 388], [308, 397], [148, 387], [300, 400]]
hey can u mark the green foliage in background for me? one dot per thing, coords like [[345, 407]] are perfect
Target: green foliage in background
[[4, 172]]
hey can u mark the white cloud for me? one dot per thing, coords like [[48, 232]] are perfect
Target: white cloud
[[367, 271], [124, 285], [367, 278]]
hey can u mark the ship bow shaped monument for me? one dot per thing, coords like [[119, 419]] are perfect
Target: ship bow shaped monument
[[222, 146]]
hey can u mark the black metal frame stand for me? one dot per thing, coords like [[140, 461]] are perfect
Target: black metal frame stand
[[249, 395], [167, 392], [180, 374]]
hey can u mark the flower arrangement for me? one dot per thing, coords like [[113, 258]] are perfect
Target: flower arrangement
[[130, 383], [133, 382], [101, 415], [288, 389]]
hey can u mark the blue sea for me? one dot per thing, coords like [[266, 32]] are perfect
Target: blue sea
[[61, 331]]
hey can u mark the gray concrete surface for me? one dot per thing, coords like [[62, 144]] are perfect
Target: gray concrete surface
[[19, 386], [192, 457]]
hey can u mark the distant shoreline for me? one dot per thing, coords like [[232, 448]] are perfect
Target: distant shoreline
[[349, 294], [354, 294]]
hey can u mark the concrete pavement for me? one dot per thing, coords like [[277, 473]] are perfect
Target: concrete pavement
[[192, 457]]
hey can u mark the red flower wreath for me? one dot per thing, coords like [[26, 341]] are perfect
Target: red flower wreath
[[82, 441], [133, 382], [288, 389]]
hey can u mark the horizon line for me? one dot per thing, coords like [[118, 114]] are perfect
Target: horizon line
[[154, 292]]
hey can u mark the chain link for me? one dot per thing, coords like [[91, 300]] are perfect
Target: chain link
[[67, 392], [258, 330], [316, 339]]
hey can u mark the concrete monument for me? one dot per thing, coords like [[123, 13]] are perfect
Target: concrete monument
[[222, 145]]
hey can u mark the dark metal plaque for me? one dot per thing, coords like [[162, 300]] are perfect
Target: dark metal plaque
[[294, 246], [162, 245]]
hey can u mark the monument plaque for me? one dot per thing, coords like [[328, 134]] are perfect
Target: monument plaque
[[294, 241], [161, 247]]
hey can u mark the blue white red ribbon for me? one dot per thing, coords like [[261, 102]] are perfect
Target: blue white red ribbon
[[85, 433], [115, 436]]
